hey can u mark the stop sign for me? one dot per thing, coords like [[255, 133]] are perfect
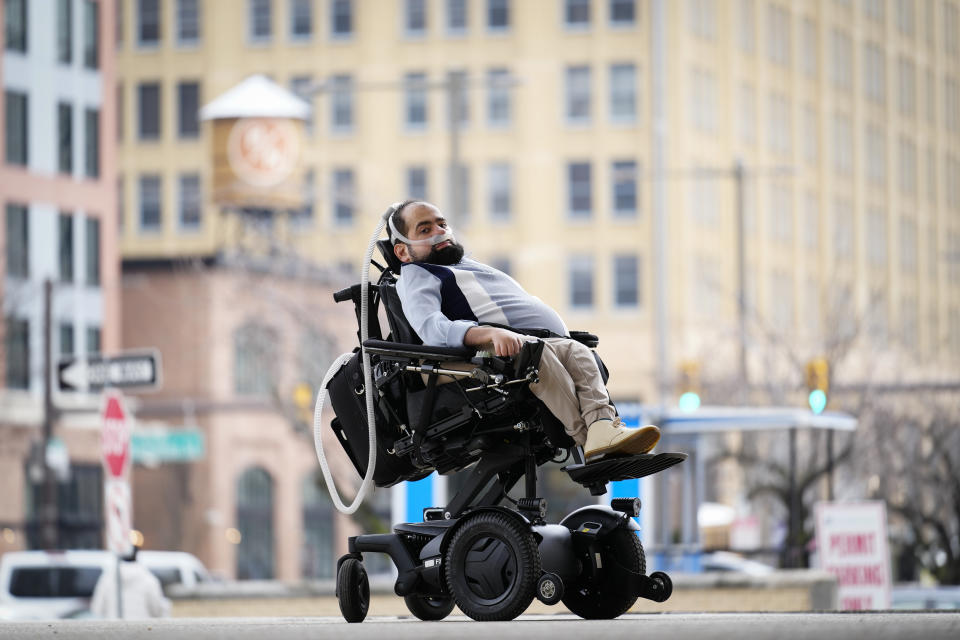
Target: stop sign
[[115, 438]]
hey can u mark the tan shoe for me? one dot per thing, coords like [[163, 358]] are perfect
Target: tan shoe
[[613, 437]]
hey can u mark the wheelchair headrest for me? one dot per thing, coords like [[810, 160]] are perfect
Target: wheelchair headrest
[[386, 250]]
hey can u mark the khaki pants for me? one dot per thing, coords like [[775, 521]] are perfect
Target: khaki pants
[[571, 387]]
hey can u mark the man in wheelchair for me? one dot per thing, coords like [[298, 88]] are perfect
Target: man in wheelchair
[[445, 298]]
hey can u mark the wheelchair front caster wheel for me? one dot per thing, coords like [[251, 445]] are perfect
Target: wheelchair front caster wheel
[[664, 582], [549, 589], [353, 590]]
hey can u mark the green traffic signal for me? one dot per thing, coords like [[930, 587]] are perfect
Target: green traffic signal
[[689, 401], [817, 400]]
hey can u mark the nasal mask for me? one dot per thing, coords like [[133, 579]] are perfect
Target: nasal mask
[[432, 241]]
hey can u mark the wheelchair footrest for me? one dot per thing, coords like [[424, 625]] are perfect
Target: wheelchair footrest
[[622, 468]]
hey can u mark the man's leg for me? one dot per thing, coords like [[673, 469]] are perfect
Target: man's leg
[[571, 387]]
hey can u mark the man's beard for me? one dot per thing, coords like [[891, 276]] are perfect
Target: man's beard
[[450, 254]]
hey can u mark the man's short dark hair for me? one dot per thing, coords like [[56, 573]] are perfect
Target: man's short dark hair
[[398, 221]]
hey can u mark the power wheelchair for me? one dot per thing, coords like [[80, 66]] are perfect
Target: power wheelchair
[[449, 410]]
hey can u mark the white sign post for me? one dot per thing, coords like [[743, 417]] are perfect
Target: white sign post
[[115, 447], [852, 545]]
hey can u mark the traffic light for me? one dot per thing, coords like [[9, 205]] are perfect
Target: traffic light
[[689, 388], [818, 383]]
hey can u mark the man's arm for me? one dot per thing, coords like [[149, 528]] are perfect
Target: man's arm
[[504, 341]]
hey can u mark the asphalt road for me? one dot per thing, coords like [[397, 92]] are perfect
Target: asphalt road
[[667, 626]]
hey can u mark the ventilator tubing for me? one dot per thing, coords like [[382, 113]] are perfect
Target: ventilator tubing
[[367, 382]]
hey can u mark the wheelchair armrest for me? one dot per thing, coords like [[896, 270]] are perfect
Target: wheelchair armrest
[[417, 351], [586, 338]]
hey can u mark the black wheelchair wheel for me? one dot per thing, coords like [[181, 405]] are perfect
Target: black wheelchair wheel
[[492, 567], [353, 590], [429, 607], [609, 596]]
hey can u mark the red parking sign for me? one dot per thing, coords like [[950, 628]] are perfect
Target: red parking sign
[[115, 438]]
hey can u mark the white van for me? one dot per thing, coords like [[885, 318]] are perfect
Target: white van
[[44, 585]]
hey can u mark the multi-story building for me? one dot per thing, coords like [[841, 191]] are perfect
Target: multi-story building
[[559, 135], [58, 202]]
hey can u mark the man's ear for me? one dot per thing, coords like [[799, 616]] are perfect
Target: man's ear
[[402, 252]]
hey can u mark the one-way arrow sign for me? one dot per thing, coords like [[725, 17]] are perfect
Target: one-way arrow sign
[[129, 369]]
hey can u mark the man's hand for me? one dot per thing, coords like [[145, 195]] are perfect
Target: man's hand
[[505, 342]]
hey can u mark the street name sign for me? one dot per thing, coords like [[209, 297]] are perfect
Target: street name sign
[[852, 545], [155, 446], [129, 369]]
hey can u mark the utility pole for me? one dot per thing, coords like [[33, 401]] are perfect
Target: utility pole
[[48, 511]]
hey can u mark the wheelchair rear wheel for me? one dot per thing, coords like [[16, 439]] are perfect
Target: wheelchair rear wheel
[[429, 607], [492, 567], [609, 596], [353, 590]]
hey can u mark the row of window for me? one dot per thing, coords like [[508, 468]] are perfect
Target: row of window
[[18, 245], [416, 18], [149, 106], [342, 190], [17, 348], [17, 141], [777, 25], [17, 21]]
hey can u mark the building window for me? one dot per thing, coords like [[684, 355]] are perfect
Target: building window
[[874, 73], [303, 217], [190, 202], [811, 133], [623, 93], [415, 18], [188, 109], [255, 355], [148, 22], [842, 145], [580, 282], [908, 167], [316, 557], [65, 247], [877, 236], [748, 26], [15, 25], [703, 100], [951, 104], [498, 98], [121, 203], [748, 114], [417, 183], [18, 353], [255, 524], [64, 31], [778, 35], [908, 245], [623, 12], [576, 14], [458, 181], [579, 191], [415, 99], [951, 27], [809, 48], [458, 106], [15, 127], [876, 154], [67, 340], [94, 341], [150, 203], [92, 256], [188, 22], [91, 128], [842, 229], [341, 100], [907, 75], [118, 24], [498, 15], [702, 15], [626, 281], [578, 94], [18, 241], [341, 19], [301, 19], [344, 197], [456, 16], [500, 191], [624, 178], [842, 60], [148, 111], [260, 16], [91, 34], [65, 137], [302, 87]]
